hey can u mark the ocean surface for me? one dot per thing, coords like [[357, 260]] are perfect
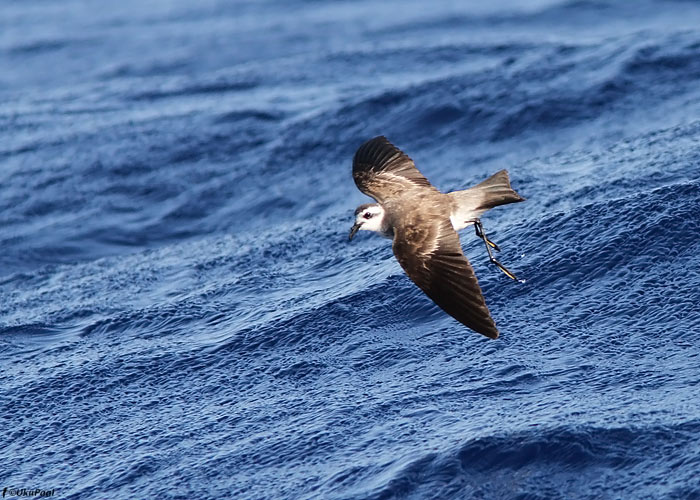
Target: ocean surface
[[182, 316]]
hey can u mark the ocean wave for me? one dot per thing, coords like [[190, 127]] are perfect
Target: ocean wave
[[182, 315], [554, 462]]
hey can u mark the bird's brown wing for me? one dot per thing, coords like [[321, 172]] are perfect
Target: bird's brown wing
[[431, 255], [383, 171]]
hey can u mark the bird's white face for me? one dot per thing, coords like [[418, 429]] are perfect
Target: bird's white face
[[368, 218]]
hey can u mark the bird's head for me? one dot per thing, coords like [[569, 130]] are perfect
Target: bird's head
[[368, 217]]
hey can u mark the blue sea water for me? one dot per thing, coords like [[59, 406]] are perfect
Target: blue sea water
[[181, 315]]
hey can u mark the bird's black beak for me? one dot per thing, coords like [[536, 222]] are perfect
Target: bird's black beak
[[354, 230]]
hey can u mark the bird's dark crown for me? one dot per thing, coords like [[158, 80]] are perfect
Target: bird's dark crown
[[364, 206]]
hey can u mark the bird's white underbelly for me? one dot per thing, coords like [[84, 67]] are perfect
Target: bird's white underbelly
[[461, 221]]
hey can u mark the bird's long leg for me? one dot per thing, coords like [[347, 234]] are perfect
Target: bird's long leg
[[480, 233]]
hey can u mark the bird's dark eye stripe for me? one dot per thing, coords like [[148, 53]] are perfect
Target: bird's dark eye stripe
[[367, 215]]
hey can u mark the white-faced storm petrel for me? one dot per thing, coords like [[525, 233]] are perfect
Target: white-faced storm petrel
[[423, 223]]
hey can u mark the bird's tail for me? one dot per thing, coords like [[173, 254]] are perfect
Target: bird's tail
[[492, 192]]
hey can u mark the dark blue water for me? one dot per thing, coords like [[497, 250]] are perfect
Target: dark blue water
[[181, 315]]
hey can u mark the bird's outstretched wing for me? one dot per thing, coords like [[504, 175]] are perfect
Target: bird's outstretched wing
[[383, 171], [431, 255]]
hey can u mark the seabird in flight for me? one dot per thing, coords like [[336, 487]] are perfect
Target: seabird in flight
[[423, 224]]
